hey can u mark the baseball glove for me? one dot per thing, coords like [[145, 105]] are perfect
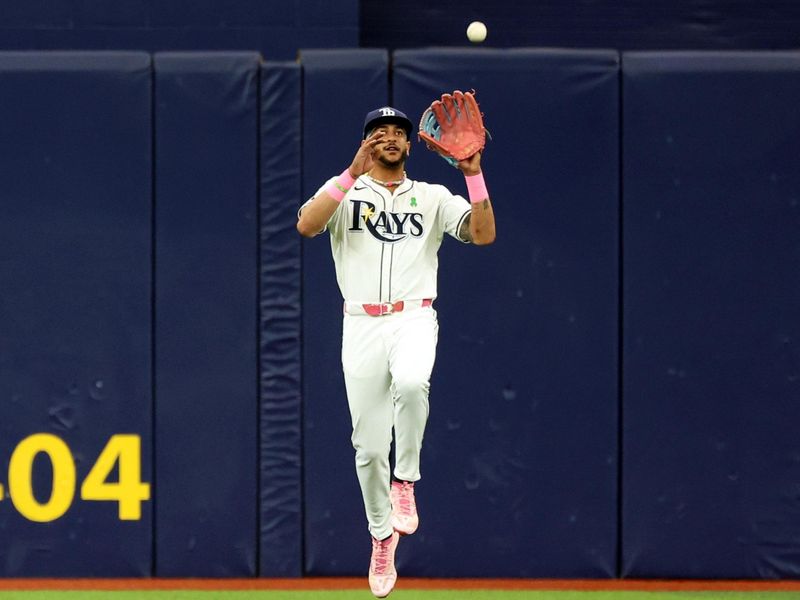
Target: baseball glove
[[453, 127]]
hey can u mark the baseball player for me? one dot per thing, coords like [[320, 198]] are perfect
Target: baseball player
[[385, 231]]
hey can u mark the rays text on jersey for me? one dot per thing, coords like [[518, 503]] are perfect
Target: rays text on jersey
[[386, 227]]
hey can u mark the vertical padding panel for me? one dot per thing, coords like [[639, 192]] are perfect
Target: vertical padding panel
[[206, 314], [521, 446], [339, 88], [281, 440], [75, 311], [711, 322]]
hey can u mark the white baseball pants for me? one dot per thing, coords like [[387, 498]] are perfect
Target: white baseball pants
[[387, 364]]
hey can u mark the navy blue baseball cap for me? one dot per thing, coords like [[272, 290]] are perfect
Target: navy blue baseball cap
[[386, 114]]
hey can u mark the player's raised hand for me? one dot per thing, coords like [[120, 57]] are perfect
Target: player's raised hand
[[471, 165], [364, 159]]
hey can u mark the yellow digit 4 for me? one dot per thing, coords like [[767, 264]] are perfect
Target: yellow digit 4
[[130, 491]]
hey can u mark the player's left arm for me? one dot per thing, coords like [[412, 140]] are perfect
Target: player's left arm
[[478, 227]]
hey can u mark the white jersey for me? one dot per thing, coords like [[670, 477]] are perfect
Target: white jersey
[[385, 245]]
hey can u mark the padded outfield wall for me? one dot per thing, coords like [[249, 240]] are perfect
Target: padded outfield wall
[[616, 376]]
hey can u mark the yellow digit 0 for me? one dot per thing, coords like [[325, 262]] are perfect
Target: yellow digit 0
[[20, 470], [130, 491]]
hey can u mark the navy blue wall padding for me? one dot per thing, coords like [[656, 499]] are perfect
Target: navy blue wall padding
[[339, 88], [206, 284], [281, 496], [152, 283], [75, 303], [711, 323], [519, 464]]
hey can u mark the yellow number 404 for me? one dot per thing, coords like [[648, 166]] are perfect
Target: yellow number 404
[[129, 490]]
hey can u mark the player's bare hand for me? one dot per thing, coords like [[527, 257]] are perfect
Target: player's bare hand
[[364, 159], [471, 165]]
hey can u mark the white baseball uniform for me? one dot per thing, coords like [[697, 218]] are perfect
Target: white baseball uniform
[[385, 246]]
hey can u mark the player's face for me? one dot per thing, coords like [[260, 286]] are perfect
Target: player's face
[[393, 149]]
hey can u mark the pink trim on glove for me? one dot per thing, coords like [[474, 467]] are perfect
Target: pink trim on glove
[[476, 187], [337, 189]]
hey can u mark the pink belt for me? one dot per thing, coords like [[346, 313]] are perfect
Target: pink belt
[[386, 308]]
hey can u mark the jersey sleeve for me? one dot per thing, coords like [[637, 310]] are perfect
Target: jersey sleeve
[[453, 209]]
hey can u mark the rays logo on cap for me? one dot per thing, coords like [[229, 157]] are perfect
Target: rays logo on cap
[[387, 114]]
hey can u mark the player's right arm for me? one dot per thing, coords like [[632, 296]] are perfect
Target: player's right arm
[[315, 215]]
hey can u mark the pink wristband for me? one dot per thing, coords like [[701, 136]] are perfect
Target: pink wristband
[[337, 189], [476, 187]]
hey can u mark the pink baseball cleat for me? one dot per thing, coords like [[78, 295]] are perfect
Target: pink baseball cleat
[[382, 574], [404, 508]]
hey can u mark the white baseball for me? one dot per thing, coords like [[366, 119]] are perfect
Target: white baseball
[[476, 32]]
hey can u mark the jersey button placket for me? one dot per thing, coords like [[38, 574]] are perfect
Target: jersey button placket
[[385, 291]]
